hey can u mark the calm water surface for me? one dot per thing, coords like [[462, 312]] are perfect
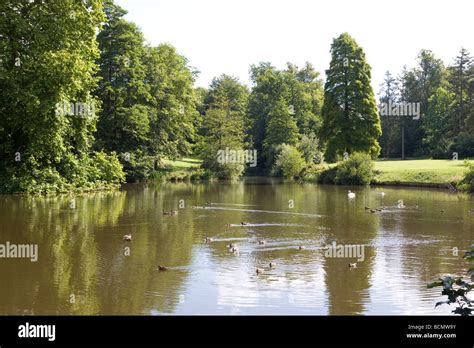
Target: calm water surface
[[83, 267]]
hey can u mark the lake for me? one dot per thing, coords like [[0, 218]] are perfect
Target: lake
[[85, 266]]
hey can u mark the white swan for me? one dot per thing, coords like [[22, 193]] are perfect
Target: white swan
[[351, 195], [400, 204]]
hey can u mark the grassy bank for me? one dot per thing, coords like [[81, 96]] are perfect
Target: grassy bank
[[182, 164], [425, 171], [183, 169], [409, 172]]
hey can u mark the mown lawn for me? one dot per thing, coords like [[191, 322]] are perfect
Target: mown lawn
[[420, 171], [183, 163], [412, 171]]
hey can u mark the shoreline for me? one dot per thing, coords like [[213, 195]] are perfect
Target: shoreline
[[444, 186], [174, 180]]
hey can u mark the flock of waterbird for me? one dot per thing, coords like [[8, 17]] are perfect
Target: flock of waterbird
[[234, 248]]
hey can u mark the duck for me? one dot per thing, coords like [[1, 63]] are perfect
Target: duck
[[350, 194], [244, 223], [258, 271], [367, 208], [170, 213], [272, 264], [373, 211], [127, 238], [208, 239], [353, 265], [234, 250], [300, 247], [162, 268], [230, 246], [400, 204], [261, 242], [378, 209]]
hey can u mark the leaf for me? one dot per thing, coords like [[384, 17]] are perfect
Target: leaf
[[442, 302], [434, 284]]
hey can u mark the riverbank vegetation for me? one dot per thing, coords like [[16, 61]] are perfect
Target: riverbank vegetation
[[129, 110]]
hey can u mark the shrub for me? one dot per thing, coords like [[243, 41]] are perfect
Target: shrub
[[71, 174], [457, 289], [107, 167], [225, 170], [312, 172], [328, 176], [289, 162], [138, 167], [464, 146], [467, 183], [309, 147], [357, 170]]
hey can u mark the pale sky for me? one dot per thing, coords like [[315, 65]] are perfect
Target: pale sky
[[226, 36]]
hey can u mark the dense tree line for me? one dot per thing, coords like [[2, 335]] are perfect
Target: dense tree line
[[446, 97], [86, 103]]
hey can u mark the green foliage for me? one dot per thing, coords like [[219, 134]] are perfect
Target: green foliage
[[313, 172], [437, 123], [139, 166], [48, 59], [463, 145], [173, 102], [328, 176], [124, 122], [467, 183], [351, 120], [357, 170], [281, 129], [98, 171], [291, 99], [289, 162], [460, 77], [391, 130], [457, 289], [310, 148], [149, 102], [224, 125]]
